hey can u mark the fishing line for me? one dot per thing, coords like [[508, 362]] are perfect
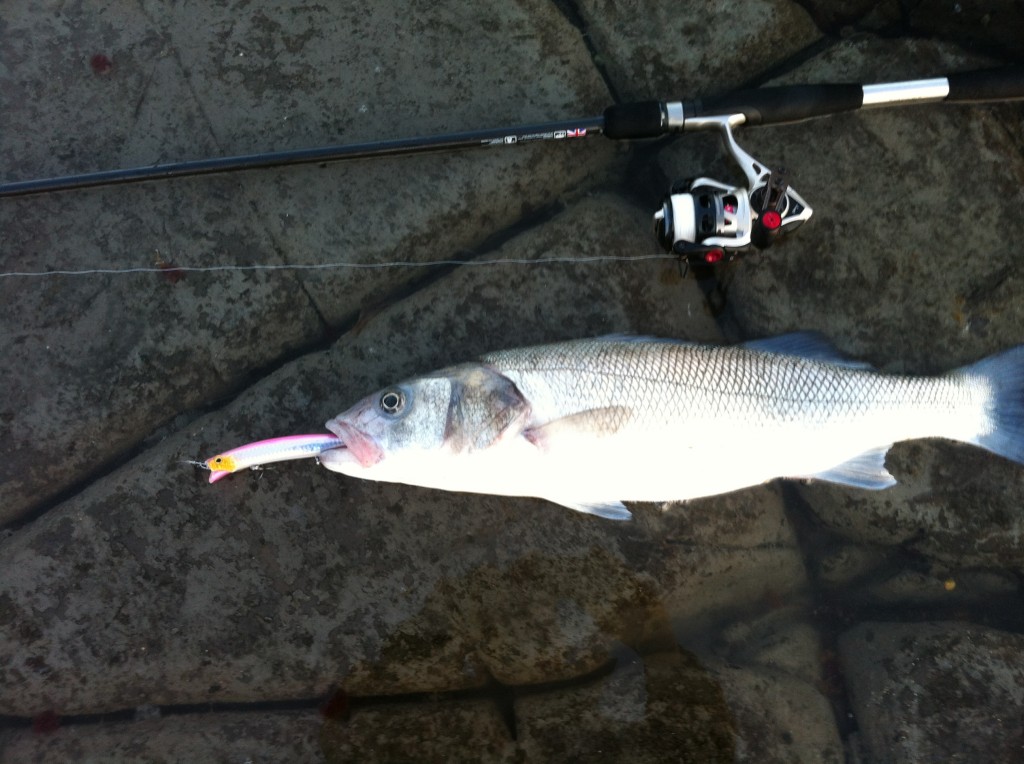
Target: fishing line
[[169, 269]]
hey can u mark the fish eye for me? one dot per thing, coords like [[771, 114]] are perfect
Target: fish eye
[[392, 401]]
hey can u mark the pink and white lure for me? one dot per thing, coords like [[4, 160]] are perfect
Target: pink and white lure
[[272, 450]]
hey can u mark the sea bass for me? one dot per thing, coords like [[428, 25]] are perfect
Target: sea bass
[[591, 423]]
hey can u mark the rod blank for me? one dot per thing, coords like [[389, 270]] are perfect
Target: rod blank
[[502, 136], [647, 119]]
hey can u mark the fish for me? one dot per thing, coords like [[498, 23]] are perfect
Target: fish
[[262, 452], [590, 424]]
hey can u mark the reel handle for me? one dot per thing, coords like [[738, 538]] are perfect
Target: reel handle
[[779, 105]]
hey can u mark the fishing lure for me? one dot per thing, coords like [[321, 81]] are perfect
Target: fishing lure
[[261, 452]]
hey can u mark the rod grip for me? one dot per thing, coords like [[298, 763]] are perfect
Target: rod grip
[[642, 119], [787, 103], [1005, 84]]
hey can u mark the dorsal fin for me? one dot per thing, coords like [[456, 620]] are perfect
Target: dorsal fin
[[810, 345]]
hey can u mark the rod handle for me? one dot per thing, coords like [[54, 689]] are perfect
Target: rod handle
[[777, 105], [643, 119], [1004, 84]]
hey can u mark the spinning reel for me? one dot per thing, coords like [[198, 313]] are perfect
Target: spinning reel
[[705, 221]]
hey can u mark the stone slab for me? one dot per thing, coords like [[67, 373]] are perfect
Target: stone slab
[[672, 51], [940, 691], [101, 363], [210, 737]]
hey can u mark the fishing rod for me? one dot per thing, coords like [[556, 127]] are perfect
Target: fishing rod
[[704, 221]]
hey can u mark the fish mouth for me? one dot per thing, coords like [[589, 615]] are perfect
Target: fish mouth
[[359, 444]]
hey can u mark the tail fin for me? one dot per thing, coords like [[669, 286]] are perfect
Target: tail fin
[[1004, 373]]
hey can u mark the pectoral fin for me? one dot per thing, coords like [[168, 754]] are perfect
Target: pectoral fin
[[609, 510], [592, 423], [866, 470]]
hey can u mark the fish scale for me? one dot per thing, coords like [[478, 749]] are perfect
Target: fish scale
[[653, 377]]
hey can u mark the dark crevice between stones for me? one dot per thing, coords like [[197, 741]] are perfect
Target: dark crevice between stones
[[795, 61], [503, 696], [147, 712], [966, 39], [836, 609], [831, 20], [336, 706], [571, 11], [325, 325]]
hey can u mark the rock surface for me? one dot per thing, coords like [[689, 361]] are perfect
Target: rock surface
[[442, 626], [703, 48], [936, 691], [279, 78], [229, 737]]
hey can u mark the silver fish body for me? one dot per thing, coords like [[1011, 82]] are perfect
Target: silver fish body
[[592, 423]]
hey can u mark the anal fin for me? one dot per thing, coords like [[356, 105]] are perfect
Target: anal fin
[[609, 510], [865, 470]]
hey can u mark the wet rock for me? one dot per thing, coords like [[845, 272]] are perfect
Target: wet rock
[[152, 587], [103, 362], [779, 717], [837, 565], [781, 640], [240, 736], [664, 707], [720, 542], [955, 504], [936, 691], [952, 590], [669, 707], [670, 52], [835, 17], [988, 25], [443, 731], [877, 575], [775, 677]]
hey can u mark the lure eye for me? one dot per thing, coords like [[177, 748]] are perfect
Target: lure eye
[[392, 402]]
